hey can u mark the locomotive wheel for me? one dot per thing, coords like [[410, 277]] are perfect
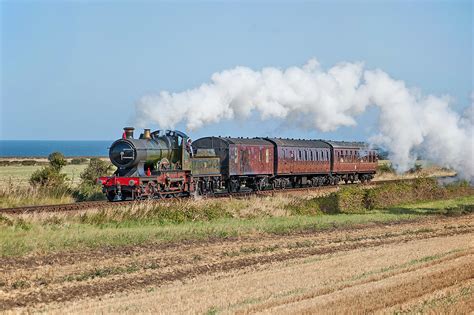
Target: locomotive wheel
[[111, 195]]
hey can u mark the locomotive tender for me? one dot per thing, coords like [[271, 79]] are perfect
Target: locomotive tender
[[164, 164]]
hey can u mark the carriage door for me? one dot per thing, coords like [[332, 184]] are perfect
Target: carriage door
[[292, 161], [244, 160]]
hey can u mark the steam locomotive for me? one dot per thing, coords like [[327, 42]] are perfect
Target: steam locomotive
[[165, 163]]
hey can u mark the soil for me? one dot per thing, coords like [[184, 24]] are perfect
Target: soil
[[425, 265]]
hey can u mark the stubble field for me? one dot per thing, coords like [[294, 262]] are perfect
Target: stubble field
[[412, 264]]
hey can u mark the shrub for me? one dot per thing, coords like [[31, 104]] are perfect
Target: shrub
[[385, 168], [329, 204], [304, 207], [388, 195], [28, 162], [421, 189], [57, 160], [95, 169], [88, 189], [415, 169], [351, 200], [78, 161], [49, 177], [347, 200]]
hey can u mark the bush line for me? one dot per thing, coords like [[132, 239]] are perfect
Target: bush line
[[360, 200]]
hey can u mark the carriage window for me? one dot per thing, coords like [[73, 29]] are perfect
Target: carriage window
[[267, 155]]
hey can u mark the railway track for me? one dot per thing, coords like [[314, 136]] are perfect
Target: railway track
[[242, 194]]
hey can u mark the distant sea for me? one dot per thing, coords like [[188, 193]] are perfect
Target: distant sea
[[42, 148]]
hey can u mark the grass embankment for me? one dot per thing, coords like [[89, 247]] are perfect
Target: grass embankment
[[202, 219]]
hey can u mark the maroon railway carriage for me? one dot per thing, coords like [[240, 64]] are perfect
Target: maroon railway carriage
[[244, 162], [301, 162], [352, 161]]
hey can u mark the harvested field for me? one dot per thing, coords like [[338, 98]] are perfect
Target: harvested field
[[422, 265]]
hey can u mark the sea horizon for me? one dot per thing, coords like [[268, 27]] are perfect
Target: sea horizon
[[42, 148]]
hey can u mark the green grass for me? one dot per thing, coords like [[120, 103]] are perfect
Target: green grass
[[53, 234], [17, 196], [16, 191], [19, 175], [435, 207]]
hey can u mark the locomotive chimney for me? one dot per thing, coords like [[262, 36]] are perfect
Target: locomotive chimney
[[128, 132], [146, 134]]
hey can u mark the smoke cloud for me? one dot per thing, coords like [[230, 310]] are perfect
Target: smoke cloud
[[310, 97]]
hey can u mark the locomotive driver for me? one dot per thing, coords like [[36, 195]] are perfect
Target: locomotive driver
[[189, 147]]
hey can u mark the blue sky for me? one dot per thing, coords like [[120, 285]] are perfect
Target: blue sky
[[74, 70]]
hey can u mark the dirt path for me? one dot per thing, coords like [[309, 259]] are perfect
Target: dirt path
[[377, 267]]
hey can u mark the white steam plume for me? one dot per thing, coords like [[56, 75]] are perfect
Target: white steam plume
[[409, 122]]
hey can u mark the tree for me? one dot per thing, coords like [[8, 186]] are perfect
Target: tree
[[47, 176], [57, 160], [88, 188], [50, 176], [95, 169]]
